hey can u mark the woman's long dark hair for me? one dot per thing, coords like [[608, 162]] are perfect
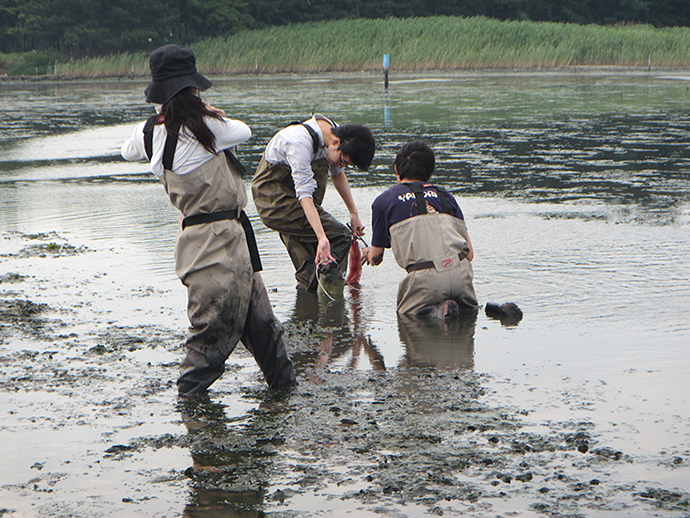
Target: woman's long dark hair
[[187, 108]]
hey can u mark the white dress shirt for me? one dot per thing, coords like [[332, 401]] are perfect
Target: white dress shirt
[[294, 147], [189, 153]]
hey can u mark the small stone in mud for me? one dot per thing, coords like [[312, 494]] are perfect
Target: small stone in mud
[[580, 486], [522, 447], [583, 448], [678, 460], [391, 488], [278, 496], [118, 448], [609, 453], [99, 349], [594, 482], [275, 440], [525, 477]]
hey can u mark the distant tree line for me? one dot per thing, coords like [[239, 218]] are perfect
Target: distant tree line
[[97, 27]]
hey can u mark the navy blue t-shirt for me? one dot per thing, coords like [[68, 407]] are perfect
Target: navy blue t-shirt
[[397, 204]]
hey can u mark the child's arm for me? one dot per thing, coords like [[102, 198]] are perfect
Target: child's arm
[[372, 255], [470, 254]]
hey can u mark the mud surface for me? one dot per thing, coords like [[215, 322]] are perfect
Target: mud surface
[[91, 426]]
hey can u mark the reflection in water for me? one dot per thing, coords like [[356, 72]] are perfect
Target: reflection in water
[[387, 112], [342, 334], [328, 318], [621, 158], [362, 343], [319, 309], [618, 139], [438, 344], [231, 460]]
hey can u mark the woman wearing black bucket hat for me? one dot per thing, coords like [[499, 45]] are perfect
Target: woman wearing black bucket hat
[[190, 145], [173, 68]]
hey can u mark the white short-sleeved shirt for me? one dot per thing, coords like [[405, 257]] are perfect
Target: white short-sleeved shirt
[[294, 147], [189, 153]]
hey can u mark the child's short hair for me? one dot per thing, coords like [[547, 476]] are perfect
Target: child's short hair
[[357, 142], [415, 161]]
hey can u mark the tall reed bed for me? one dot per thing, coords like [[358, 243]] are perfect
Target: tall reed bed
[[117, 65], [433, 43]]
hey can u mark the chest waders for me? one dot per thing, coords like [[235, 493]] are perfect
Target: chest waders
[[432, 248], [216, 258], [273, 190]]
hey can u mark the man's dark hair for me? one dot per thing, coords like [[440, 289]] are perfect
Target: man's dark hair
[[415, 161], [357, 143]]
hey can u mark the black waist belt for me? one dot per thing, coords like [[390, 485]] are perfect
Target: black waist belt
[[198, 219], [209, 217], [425, 265]]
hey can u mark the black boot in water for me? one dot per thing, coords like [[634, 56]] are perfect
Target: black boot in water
[[509, 313]]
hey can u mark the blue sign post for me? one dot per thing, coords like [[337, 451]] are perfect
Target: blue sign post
[[386, 63], [386, 108]]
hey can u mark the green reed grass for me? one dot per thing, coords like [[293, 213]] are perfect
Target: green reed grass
[[415, 44]]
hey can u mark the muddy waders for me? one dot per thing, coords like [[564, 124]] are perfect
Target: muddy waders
[[432, 249], [227, 300], [279, 209]]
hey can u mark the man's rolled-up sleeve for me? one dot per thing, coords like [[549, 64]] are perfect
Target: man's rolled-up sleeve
[[299, 159]]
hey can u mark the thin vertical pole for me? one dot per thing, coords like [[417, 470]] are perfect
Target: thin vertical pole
[[386, 63]]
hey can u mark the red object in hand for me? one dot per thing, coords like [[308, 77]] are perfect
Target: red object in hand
[[354, 268]]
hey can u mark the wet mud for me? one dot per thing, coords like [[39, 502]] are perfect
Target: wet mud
[[409, 441]]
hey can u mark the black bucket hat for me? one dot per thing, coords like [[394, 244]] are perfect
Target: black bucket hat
[[173, 68]]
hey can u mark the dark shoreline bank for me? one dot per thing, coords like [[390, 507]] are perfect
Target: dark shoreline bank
[[392, 74]]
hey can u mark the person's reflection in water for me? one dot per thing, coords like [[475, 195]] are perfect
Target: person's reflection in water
[[319, 309], [362, 343], [231, 457], [342, 333], [327, 318], [434, 343]]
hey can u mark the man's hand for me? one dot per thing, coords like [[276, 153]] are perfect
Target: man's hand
[[356, 224], [323, 252], [372, 255]]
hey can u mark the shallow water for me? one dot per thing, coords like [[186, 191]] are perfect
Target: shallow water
[[576, 192]]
